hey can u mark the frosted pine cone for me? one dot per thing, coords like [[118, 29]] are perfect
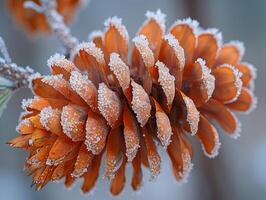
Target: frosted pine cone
[[35, 22], [100, 103]]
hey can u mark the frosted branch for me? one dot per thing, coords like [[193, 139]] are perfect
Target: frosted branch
[[18, 75], [56, 22], [32, 5]]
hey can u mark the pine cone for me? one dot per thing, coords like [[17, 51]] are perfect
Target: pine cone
[[35, 22], [102, 103]]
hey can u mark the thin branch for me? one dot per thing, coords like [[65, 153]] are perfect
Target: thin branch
[[32, 5], [56, 22], [18, 75]]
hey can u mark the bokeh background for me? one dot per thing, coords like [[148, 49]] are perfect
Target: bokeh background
[[239, 170]]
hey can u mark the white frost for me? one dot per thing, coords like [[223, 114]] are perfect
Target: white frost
[[167, 81], [192, 115], [158, 16], [238, 82], [108, 104], [146, 53], [239, 46], [120, 70], [216, 34], [26, 103], [95, 34], [179, 51], [193, 24], [54, 59], [140, 103], [117, 23], [237, 132], [46, 114], [217, 145], [254, 103], [207, 77], [33, 77], [187, 167], [91, 49], [253, 72]]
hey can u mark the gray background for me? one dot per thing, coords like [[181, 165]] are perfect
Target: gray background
[[237, 173]]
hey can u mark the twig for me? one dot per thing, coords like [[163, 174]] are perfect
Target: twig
[[56, 22], [18, 75]]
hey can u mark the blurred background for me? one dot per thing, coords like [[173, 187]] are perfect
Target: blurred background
[[239, 170]]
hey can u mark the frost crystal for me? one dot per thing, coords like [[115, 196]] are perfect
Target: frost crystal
[[217, 145], [179, 51], [26, 103], [192, 115], [24, 122], [53, 80], [239, 46], [96, 132], [216, 34], [91, 49], [167, 81], [238, 82], [164, 129], [60, 61], [54, 59], [252, 69], [112, 165], [146, 53], [253, 72], [33, 77], [187, 167], [84, 88], [140, 103], [207, 77], [193, 24], [253, 104], [158, 16], [120, 69], [108, 104], [95, 34], [237, 132], [117, 23], [155, 166], [71, 118], [45, 115], [132, 144]]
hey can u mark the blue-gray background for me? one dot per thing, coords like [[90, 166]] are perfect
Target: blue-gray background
[[237, 173]]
